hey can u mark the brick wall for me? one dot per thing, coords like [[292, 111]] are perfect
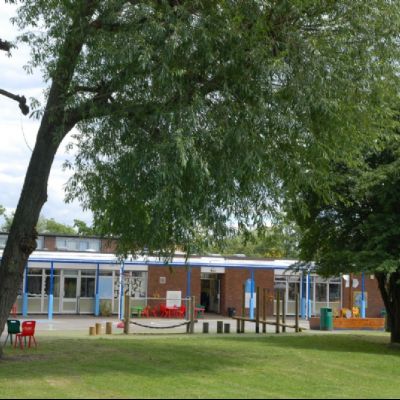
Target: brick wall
[[50, 243], [108, 246], [375, 302], [232, 287], [175, 280]]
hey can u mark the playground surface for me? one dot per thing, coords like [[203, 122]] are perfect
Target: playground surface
[[63, 324], [70, 364]]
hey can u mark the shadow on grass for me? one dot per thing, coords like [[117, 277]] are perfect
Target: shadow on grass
[[346, 343]]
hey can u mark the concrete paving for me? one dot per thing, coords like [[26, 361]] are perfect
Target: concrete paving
[[81, 324]]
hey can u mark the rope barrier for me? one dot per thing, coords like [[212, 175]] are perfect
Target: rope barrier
[[160, 326]]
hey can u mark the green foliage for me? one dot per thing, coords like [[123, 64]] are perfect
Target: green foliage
[[83, 229], [45, 225], [196, 113], [360, 229], [278, 241]]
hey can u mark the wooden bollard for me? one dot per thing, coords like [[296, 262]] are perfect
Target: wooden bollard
[[109, 328], [206, 327], [98, 329], [220, 326], [92, 331], [238, 326], [227, 328], [278, 311]]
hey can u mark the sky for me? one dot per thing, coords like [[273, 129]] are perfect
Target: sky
[[18, 133]]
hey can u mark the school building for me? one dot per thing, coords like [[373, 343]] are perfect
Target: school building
[[78, 275]]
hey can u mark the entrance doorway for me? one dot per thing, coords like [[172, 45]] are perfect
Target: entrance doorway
[[70, 295], [211, 292]]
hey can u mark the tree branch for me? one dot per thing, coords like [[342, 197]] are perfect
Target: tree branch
[[20, 99], [5, 46]]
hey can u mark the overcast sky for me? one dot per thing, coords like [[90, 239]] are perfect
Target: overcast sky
[[14, 148]]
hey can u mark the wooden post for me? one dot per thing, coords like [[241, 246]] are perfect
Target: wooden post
[[220, 326], [257, 310], [98, 329], [243, 308], [264, 310], [278, 310], [238, 326], [92, 331], [192, 316], [206, 327], [109, 328], [284, 311], [127, 313], [297, 312]]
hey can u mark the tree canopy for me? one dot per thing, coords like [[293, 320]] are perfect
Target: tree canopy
[[358, 231], [197, 114]]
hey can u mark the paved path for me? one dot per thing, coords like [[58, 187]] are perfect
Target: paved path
[[81, 324]]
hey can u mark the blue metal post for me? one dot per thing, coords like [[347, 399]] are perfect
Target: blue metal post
[[25, 294], [302, 298], [252, 295], [363, 302], [121, 290], [51, 293], [97, 296]]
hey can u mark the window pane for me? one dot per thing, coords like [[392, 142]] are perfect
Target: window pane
[[70, 288], [34, 286], [56, 286], [334, 292], [87, 287], [320, 292], [293, 287]]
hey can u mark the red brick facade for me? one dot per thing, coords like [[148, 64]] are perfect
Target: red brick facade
[[374, 298]]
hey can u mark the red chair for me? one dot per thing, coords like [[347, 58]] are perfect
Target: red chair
[[181, 312], [155, 311], [27, 331], [163, 310], [146, 312]]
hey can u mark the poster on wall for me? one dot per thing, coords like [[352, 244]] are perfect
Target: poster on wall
[[357, 299], [106, 287]]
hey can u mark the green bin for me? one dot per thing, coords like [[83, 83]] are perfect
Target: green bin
[[326, 320]]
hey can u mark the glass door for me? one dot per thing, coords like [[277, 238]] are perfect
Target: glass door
[[70, 294]]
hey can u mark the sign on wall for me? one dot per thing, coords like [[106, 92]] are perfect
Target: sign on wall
[[357, 299], [106, 287]]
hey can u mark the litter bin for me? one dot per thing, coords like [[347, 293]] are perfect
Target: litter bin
[[326, 320], [231, 312]]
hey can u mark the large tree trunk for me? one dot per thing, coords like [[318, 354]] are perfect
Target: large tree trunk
[[54, 127], [22, 236], [389, 286]]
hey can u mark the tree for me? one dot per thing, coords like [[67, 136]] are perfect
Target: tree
[[44, 225], [277, 241], [83, 229], [191, 113], [7, 46], [359, 229]]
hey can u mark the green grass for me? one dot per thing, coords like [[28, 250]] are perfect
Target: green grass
[[300, 366]]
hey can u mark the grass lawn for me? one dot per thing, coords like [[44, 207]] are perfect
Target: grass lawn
[[249, 366]]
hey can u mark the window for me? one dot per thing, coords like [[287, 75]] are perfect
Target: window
[[88, 284], [320, 292], [77, 244], [334, 292], [293, 288], [56, 283], [35, 280]]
